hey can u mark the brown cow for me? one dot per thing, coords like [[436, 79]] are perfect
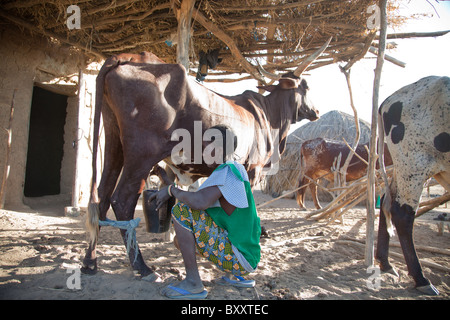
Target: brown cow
[[146, 108], [317, 157]]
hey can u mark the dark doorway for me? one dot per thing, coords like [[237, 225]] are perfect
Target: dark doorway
[[45, 143]]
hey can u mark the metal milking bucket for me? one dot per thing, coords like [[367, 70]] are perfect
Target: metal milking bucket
[[156, 221]]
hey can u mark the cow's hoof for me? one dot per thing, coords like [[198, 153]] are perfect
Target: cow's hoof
[[89, 266], [152, 277], [264, 233], [428, 290], [391, 271]]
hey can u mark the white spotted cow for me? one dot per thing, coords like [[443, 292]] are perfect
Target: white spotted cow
[[415, 122]]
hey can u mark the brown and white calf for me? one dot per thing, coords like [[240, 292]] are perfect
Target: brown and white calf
[[317, 157]]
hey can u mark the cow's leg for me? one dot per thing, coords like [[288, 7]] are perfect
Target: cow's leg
[[403, 219], [124, 200], [112, 167], [382, 254], [403, 209], [90, 260], [300, 196], [313, 188]]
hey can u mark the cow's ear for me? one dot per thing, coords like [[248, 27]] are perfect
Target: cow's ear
[[304, 84], [288, 83], [269, 88]]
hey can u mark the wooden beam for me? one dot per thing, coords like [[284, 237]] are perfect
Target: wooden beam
[[270, 35], [258, 22], [388, 58], [221, 35], [272, 7], [49, 34], [141, 15], [406, 35], [184, 16], [426, 206]]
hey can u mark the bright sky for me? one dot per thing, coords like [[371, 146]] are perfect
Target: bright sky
[[423, 57]]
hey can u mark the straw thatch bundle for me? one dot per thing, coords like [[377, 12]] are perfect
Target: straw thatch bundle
[[332, 125], [280, 33]]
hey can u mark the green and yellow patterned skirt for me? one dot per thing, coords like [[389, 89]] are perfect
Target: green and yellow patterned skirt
[[211, 240]]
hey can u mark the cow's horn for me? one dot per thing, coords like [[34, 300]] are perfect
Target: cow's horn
[[307, 62], [267, 74]]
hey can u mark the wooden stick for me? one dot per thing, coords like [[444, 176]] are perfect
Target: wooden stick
[[280, 243], [289, 192], [341, 205], [399, 256], [406, 35], [369, 252], [397, 62], [361, 55], [49, 34], [8, 153], [431, 204], [357, 186], [338, 198], [397, 245], [221, 35], [282, 196], [356, 202], [282, 6], [354, 153], [346, 72], [445, 197]]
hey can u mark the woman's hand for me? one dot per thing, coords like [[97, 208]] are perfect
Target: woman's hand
[[160, 197]]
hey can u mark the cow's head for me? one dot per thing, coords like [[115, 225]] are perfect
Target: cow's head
[[297, 88], [294, 90]]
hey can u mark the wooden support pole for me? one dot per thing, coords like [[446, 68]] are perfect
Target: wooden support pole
[[184, 17], [8, 153], [74, 210], [369, 251]]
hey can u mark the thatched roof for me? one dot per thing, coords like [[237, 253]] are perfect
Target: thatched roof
[[333, 125], [279, 33]]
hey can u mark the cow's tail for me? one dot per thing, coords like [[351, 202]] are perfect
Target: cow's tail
[[93, 213], [386, 205]]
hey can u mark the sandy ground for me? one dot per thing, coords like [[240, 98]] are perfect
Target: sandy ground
[[41, 251]]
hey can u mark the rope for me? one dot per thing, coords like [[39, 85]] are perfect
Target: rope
[[130, 227]]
